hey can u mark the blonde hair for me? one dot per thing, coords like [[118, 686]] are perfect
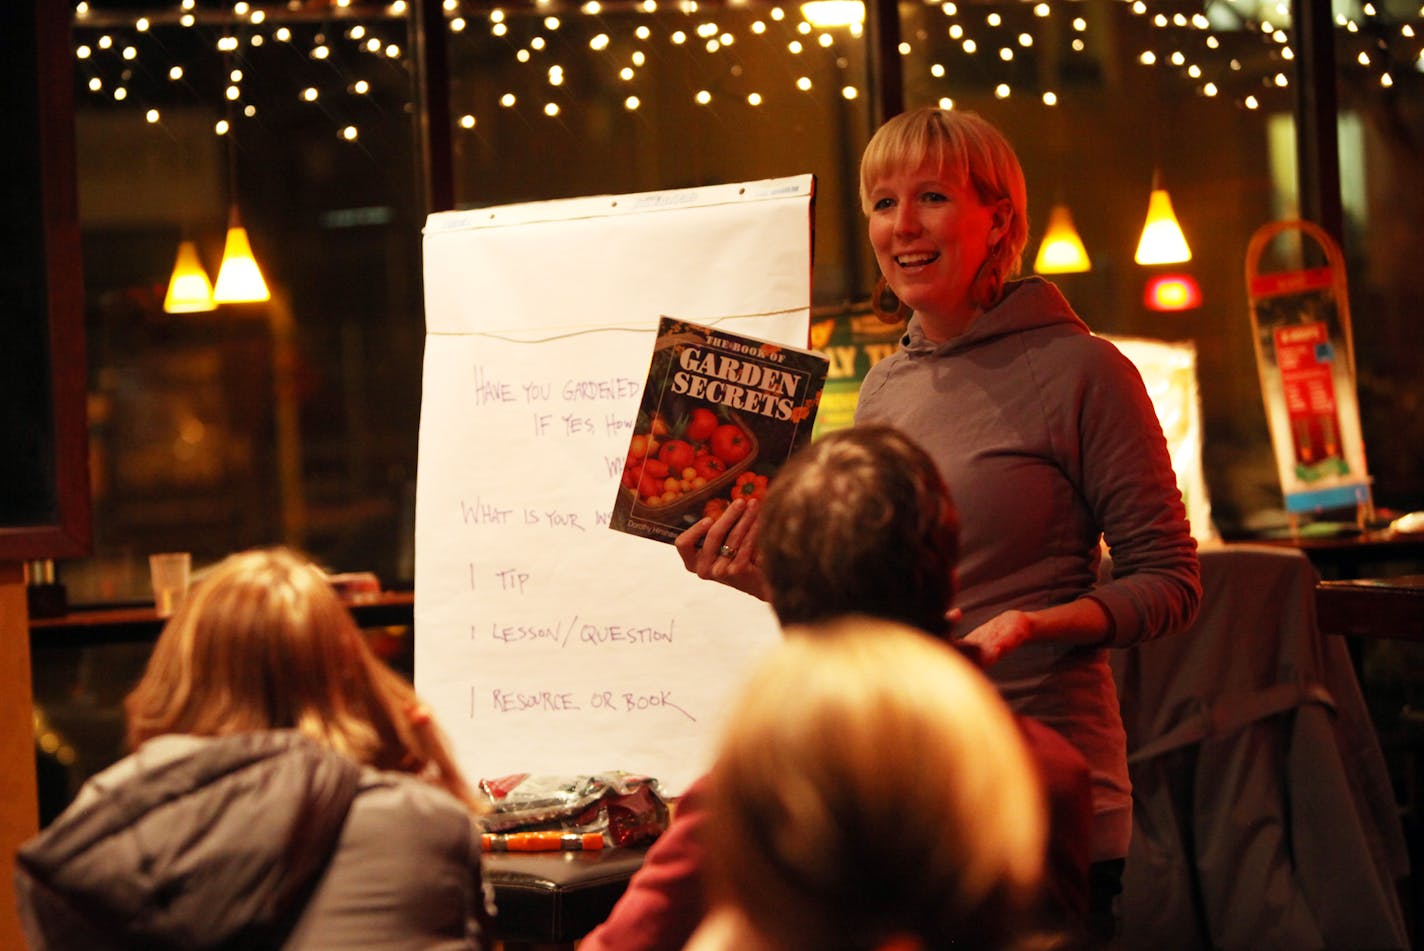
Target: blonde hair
[[871, 784], [968, 149], [263, 643]]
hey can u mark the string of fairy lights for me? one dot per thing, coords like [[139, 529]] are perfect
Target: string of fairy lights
[[334, 56]]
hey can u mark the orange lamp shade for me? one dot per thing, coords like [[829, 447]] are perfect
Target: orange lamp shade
[[239, 277], [1062, 251], [189, 290], [1162, 240]]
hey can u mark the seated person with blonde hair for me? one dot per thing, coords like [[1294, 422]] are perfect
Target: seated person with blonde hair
[[286, 790], [871, 792]]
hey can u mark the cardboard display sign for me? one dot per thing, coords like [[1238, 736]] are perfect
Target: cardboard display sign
[[1300, 322]]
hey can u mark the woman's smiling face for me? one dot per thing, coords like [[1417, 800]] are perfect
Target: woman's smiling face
[[930, 235]]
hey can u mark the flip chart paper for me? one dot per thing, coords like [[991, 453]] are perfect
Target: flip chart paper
[[545, 641]]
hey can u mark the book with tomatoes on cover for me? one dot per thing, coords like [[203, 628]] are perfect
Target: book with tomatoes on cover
[[721, 412]]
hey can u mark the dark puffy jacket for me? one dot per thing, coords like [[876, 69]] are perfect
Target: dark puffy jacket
[[258, 840]]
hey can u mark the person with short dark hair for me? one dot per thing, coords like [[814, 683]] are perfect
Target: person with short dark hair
[[858, 522], [861, 522]]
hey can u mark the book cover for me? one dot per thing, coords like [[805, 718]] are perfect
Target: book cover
[[721, 412]]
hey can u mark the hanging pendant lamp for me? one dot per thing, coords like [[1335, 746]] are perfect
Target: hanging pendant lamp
[[239, 278], [823, 14], [1062, 251], [189, 290], [1162, 240]]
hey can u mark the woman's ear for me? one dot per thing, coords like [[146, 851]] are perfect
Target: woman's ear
[[1003, 217]]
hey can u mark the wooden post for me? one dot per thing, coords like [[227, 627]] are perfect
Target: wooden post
[[43, 384], [882, 46], [1316, 118], [19, 800], [432, 66]]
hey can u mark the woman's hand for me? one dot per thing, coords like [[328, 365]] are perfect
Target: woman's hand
[[999, 635], [724, 549], [1083, 622]]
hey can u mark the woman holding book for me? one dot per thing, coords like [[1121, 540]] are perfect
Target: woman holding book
[[1046, 437]]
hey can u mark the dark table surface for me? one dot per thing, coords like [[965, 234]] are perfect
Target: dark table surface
[[1349, 553], [1391, 607], [555, 898]]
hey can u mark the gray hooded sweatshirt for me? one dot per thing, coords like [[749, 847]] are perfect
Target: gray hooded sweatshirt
[[1050, 446]]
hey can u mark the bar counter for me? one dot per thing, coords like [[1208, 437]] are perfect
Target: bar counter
[[138, 623]]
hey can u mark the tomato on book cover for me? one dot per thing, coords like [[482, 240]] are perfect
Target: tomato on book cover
[[720, 413]]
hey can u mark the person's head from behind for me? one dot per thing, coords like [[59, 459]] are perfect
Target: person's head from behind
[[944, 184], [263, 642], [871, 785], [860, 522]]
